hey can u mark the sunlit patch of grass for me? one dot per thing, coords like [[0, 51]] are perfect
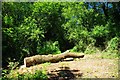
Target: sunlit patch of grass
[[46, 64], [109, 55]]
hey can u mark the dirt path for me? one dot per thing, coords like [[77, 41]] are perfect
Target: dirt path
[[91, 66]]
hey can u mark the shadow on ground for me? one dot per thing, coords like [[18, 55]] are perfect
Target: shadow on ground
[[64, 73]]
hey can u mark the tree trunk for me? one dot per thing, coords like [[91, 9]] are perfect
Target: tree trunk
[[37, 59]]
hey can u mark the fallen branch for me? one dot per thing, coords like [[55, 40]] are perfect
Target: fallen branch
[[37, 59]]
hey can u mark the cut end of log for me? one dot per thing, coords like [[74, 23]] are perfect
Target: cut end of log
[[25, 62], [23, 66]]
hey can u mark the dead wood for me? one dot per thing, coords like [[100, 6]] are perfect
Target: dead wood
[[37, 59]]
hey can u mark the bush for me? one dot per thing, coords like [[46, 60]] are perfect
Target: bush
[[49, 47], [38, 75], [112, 49], [74, 49], [91, 49], [100, 31], [112, 46]]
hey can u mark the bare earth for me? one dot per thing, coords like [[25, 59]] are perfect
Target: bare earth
[[91, 66]]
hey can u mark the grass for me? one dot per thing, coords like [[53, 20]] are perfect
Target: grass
[[108, 55], [38, 75]]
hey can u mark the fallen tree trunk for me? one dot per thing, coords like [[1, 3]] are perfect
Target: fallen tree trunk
[[37, 59]]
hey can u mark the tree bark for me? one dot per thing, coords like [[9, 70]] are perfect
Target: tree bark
[[37, 59]]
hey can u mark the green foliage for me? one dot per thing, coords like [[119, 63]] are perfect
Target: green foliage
[[46, 64], [38, 75], [8, 20], [10, 74], [30, 31], [113, 44], [26, 28], [49, 48], [112, 49], [78, 25], [12, 65], [51, 28], [74, 49], [4, 74], [91, 49], [100, 31]]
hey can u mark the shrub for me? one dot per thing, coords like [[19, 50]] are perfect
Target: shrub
[[49, 47], [112, 49], [91, 49], [100, 31], [38, 75], [113, 45], [74, 49]]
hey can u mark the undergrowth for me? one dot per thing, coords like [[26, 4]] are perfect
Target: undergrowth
[[38, 75], [10, 74]]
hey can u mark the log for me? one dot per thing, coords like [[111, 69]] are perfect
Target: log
[[37, 59]]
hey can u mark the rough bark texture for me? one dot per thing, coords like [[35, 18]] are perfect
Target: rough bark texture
[[37, 59]]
